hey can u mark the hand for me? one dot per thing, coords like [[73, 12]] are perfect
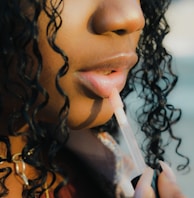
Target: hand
[[167, 186]]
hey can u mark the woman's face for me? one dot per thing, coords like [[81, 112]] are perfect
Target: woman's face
[[100, 39]]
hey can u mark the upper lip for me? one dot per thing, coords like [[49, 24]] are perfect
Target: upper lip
[[106, 74], [116, 63]]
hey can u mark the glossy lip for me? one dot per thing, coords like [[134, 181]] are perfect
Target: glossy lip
[[100, 78]]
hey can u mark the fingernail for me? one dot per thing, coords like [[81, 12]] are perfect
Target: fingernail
[[144, 184], [146, 178], [168, 171]]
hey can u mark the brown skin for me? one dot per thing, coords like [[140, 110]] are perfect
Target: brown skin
[[86, 39]]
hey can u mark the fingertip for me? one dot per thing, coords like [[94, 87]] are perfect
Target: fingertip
[[167, 184], [168, 171], [143, 188]]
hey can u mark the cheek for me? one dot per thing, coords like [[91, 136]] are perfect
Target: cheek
[[136, 37]]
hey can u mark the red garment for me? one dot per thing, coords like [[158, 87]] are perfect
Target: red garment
[[76, 190]]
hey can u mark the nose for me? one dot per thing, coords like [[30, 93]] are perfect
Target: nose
[[118, 16]]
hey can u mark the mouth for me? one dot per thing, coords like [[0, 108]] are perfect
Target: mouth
[[106, 72], [102, 77]]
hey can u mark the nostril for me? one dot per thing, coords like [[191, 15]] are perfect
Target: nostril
[[120, 32], [118, 17]]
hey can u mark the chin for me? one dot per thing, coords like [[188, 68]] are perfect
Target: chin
[[90, 122], [88, 125]]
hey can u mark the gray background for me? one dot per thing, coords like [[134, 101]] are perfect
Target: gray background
[[180, 43]]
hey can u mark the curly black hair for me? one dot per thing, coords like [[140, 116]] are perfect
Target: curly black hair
[[153, 74], [155, 80]]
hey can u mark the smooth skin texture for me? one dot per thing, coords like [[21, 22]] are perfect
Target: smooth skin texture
[[96, 35], [167, 185], [94, 40], [90, 36]]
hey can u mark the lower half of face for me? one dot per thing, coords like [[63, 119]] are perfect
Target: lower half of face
[[100, 52], [87, 108]]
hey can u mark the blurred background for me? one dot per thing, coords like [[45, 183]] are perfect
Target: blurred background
[[180, 43]]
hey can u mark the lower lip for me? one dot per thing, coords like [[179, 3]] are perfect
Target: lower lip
[[101, 84]]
